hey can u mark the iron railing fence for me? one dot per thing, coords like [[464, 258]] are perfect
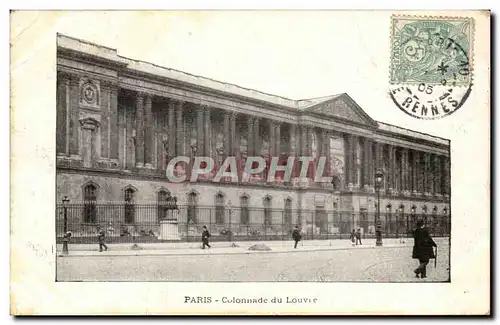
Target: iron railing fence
[[140, 223]]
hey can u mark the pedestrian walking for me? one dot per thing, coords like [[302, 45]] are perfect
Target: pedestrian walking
[[423, 249], [353, 237], [101, 237], [296, 235], [204, 237], [358, 237]]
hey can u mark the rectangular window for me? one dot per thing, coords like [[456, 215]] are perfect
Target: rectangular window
[[267, 216], [320, 219], [245, 215], [219, 214]]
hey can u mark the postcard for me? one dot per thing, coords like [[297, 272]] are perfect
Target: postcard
[[250, 162]]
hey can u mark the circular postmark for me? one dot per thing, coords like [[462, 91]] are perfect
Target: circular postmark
[[431, 74]]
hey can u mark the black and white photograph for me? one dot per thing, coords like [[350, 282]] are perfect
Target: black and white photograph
[[120, 124]]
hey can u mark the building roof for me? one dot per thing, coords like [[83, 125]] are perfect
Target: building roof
[[110, 54]]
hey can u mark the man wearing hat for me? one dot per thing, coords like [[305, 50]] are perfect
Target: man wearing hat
[[101, 237], [423, 248]]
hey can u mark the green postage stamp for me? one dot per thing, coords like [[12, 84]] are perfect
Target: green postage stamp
[[431, 64]]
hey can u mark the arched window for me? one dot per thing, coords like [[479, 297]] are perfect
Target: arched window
[[162, 204], [267, 211], [192, 211], [219, 209], [129, 198], [89, 203], [245, 212], [288, 213]]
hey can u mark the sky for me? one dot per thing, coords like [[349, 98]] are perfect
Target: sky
[[294, 54]]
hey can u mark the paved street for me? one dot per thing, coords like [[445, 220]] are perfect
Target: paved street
[[381, 264]]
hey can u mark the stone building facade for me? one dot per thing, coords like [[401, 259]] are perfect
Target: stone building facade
[[119, 121]]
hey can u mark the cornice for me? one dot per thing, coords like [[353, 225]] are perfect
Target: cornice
[[89, 58]]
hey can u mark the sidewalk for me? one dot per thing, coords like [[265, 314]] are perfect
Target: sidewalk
[[224, 248]]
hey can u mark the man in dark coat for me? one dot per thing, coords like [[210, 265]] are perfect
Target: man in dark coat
[[101, 237], [358, 237], [423, 248], [296, 236], [204, 237]]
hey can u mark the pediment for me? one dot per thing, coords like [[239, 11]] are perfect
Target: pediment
[[343, 107]]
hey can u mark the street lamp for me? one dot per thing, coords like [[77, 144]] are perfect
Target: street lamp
[[229, 208], [388, 219], [400, 214], [379, 177], [333, 201], [446, 220], [66, 235], [65, 202], [413, 216]]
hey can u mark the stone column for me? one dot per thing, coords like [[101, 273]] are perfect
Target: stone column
[[367, 160], [310, 141], [227, 135], [250, 136], [354, 161], [148, 132], [293, 139], [421, 183], [379, 149], [415, 172], [161, 131], [139, 130], [199, 131], [73, 111], [405, 172], [122, 139], [171, 152], [129, 122], [179, 128], [62, 116], [277, 134], [303, 140], [349, 163], [392, 169], [234, 149], [272, 138], [256, 141], [113, 115], [347, 159], [323, 152], [104, 129], [446, 176], [207, 123], [432, 174], [437, 176], [426, 173], [293, 149]]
